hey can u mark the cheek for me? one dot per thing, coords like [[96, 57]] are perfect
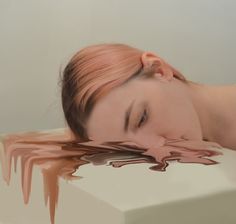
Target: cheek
[[183, 122], [175, 120]]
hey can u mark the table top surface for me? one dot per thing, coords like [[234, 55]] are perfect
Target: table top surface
[[134, 186]]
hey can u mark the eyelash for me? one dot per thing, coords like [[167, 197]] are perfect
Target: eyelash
[[141, 120]]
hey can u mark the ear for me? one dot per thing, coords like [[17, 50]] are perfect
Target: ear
[[163, 70], [149, 58]]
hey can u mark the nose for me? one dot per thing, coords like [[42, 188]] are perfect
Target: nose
[[149, 140]]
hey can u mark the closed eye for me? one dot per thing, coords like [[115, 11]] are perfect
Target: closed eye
[[143, 118]]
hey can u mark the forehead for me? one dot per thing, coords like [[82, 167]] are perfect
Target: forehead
[[107, 118]]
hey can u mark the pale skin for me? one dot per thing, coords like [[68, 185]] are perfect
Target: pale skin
[[165, 106]]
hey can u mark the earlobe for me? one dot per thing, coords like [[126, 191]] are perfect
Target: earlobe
[[160, 77], [157, 75]]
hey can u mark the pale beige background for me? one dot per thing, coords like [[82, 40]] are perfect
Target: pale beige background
[[36, 37]]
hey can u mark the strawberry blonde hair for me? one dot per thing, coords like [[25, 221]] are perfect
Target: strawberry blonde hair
[[94, 71]]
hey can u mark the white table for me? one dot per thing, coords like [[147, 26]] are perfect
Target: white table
[[133, 194]]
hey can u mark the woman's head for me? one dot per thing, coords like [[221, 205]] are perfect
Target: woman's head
[[100, 82], [98, 86]]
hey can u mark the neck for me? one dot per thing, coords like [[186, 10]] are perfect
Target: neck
[[216, 108]]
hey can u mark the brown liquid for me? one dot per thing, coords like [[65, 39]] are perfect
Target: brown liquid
[[61, 157]]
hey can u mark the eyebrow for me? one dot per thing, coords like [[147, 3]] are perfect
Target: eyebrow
[[127, 116]]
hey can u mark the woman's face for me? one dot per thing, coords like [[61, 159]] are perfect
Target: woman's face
[[149, 108]]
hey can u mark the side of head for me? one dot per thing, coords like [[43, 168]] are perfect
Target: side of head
[[96, 70]]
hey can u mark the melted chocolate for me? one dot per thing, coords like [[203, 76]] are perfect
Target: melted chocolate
[[58, 156]]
